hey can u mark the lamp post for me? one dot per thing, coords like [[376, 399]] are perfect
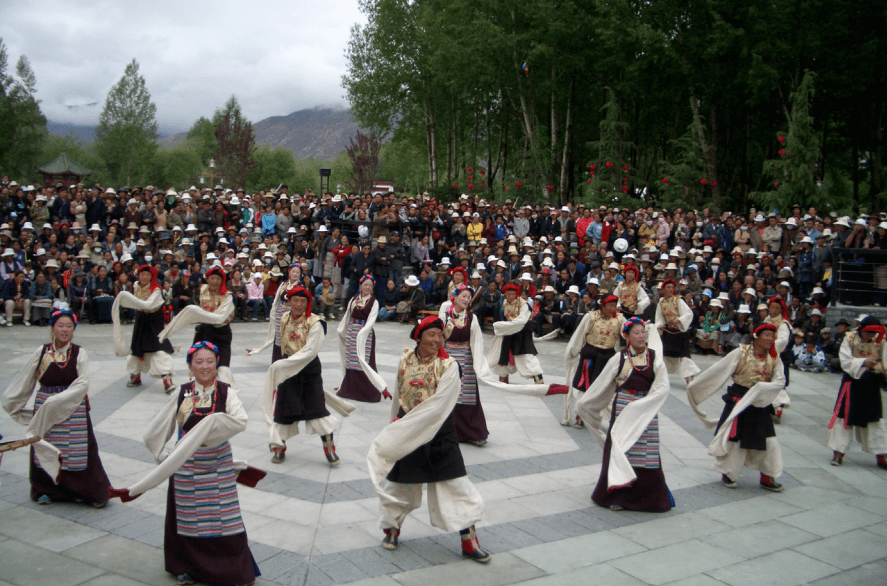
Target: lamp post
[[324, 174]]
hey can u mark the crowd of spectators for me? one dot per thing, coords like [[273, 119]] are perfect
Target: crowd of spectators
[[79, 246]]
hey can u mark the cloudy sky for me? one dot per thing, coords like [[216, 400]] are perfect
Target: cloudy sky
[[277, 56]]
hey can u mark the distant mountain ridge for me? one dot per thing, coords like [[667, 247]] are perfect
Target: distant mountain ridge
[[318, 133]]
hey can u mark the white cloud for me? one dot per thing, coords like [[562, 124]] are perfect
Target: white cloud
[[276, 56]]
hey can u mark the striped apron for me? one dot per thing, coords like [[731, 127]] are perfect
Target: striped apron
[[70, 436], [351, 358], [461, 351], [645, 452], [206, 494]]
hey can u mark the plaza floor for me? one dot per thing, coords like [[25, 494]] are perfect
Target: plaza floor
[[309, 524]]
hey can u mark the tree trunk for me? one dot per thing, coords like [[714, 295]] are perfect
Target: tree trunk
[[568, 126], [709, 149]]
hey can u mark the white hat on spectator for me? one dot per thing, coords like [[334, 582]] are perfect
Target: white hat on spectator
[[724, 296], [257, 263], [527, 241], [750, 291], [792, 222], [573, 289], [842, 222], [501, 263], [52, 264], [663, 258], [785, 284], [480, 267], [861, 222], [818, 290], [549, 289], [475, 275], [242, 255], [40, 197], [592, 281], [127, 257], [558, 239], [669, 267], [41, 252], [827, 232], [526, 258], [263, 246], [323, 228], [110, 190], [445, 261], [698, 259], [751, 251], [615, 267], [547, 262], [527, 263], [715, 303], [543, 239], [548, 252], [211, 256], [186, 241], [491, 258], [223, 241], [526, 277], [621, 245], [412, 281], [235, 201], [268, 254], [140, 242], [744, 308], [483, 241], [8, 252], [191, 227], [47, 226], [816, 312], [257, 274], [759, 218], [706, 249], [27, 226], [292, 230], [512, 250], [716, 260], [807, 240], [683, 282]]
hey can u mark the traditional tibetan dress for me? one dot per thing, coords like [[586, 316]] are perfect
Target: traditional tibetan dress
[[468, 416], [601, 337], [676, 343], [146, 329], [859, 405], [73, 452], [515, 351], [357, 385], [648, 492], [220, 335], [204, 533], [300, 397]]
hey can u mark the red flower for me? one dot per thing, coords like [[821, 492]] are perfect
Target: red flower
[[781, 139], [483, 180], [625, 189], [551, 188], [519, 184], [590, 180], [482, 172], [593, 167], [625, 167], [592, 173], [703, 181], [470, 186], [609, 164], [776, 184], [506, 190], [781, 152], [714, 183], [469, 177], [455, 185], [470, 169], [625, 180], [665, 179]]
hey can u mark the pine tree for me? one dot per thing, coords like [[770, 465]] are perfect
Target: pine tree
[[127, 127], [22, 124], [610, 171]]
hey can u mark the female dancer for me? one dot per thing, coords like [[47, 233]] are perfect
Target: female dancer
[[65, 464], [634, 384], [278, 308], [357, 347]]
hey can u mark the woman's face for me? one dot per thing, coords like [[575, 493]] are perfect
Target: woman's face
[[637, 337], [63, 330], [144, 278], [103, 272], [203, 366], [462, 299], [295, 273], [366, 287]]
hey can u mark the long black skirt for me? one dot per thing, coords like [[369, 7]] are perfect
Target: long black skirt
[[212, 560], [865, 399], [470, 422], [90, 485], [753, 426], [438, 460], [220, 336], [592, 361], [300, 397], [145, 334], [517, 345]]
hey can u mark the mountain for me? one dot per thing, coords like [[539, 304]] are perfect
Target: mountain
[[83, 133], [318, 133]]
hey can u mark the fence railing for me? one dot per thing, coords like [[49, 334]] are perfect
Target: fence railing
[[860, 276]]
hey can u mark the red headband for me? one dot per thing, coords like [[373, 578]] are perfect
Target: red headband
[[302, 292], [666, 282], [781, 302], [511, 287], [874, 328], [609, 299], [765, 328], [221, 273], [153, 271], [460, 270], [634, 269], [431, 321]]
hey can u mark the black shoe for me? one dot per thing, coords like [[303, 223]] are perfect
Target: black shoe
[[726, 481], [771, 485], [390, 541]]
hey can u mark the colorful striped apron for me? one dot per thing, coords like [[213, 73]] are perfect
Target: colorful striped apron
[[461, 351], [206, 494], [351, 358], [645, 452], [70, 436]]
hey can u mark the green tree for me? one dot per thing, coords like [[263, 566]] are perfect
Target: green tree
[[236, 146], [202, 135], [177, 166], [273, 166], [127, 127], [22, 124]]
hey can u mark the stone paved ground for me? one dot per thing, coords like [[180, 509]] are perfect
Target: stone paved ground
[[312, 525]]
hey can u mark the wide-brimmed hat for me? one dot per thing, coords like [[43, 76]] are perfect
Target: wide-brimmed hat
[[412, 281]]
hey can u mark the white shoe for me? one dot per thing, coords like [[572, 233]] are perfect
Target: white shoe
[[9, 324], [27, 323], [2, 321]]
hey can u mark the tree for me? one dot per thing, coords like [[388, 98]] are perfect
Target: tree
[[22, 124], [236, 146], [364, 156], [127, 127], [202, 135]]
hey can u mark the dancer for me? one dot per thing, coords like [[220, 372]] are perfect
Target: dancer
[[590, 348], [633, 300], [204, 538], [673, 319], [420, 447], [146, 353], [779, 317], [632, 386], [279, 307], [858, 410], [65, 463], [744, 434], [212, 317], [357, 347], [513, 349], [294, 385]]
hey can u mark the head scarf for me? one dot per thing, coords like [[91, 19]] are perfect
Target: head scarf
[[872, 324], [511, 287], [301, 292], [630, 323], [608, 299], [634, 269], [764, 328], [62, 313], [200, 346], [154, 286], [367, 277], [218, 271], [432, 321], [781, 302]]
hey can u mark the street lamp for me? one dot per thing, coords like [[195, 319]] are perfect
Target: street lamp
[[325, 174]]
